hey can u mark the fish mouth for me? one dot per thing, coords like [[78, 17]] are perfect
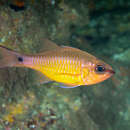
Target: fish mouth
[[110, 71]]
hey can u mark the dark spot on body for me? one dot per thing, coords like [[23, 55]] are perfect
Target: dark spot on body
[[20, 59]]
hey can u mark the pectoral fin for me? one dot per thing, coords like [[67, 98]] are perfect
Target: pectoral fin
[[41, 78]]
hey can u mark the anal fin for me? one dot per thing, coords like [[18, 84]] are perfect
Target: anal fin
[[68, 86]]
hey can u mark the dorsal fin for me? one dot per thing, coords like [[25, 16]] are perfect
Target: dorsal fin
[[47, 46], [72, 48]]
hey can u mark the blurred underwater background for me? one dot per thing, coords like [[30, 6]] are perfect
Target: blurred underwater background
[[100, 27]]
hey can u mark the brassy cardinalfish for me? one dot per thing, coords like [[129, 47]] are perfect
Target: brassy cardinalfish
[[70, 66]]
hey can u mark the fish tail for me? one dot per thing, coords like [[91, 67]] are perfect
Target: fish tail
[[8, 58]]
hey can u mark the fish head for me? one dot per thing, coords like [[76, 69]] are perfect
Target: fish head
[[97, 71]]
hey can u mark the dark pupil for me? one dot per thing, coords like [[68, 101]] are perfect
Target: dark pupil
[[100, 68], [20, 59]]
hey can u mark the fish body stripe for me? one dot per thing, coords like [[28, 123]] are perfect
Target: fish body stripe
[[53, 60], [61, 68]]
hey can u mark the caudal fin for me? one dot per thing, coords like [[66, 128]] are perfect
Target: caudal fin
[[8, 58]]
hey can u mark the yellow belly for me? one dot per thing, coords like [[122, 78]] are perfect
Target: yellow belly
[[61, 74]]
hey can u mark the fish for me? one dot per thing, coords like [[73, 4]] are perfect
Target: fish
[[65, 65]]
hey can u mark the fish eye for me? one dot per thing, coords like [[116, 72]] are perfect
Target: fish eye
[[100, 69]]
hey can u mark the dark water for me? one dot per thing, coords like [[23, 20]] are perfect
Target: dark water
[[99, 27]]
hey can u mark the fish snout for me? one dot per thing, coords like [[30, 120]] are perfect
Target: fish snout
[[110, 71]]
